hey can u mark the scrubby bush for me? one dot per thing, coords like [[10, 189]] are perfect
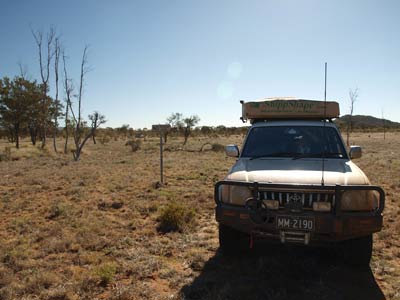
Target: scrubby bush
[[135, 145], [57, 209], [6, 155], [217, 147], [104, 139], [106, 272], [175, 217]]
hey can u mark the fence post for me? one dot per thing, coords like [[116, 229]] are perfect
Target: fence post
[[161, 128]]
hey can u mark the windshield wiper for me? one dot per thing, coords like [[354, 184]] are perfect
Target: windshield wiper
[[297, 155], [319, 155], [333, 154], [275, 154]]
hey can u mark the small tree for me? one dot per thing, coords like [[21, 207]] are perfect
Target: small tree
[[206, 130], [184, 124], [96, 120], [123, 130], [353, 94], [176, 122], [17, 98], [189, 123]]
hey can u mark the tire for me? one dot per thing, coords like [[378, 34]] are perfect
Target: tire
[[231, 241], [358, 252]]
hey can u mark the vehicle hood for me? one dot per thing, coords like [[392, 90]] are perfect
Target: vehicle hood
[[298, 171]]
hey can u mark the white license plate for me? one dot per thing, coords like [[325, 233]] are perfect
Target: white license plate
[[295, 222]]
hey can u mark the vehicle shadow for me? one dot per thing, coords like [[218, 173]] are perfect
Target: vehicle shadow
[[276, 272]]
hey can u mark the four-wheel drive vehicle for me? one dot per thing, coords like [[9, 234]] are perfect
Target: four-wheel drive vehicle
[[294, 182]]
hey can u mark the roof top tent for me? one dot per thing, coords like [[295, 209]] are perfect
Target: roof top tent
[[288, 108]]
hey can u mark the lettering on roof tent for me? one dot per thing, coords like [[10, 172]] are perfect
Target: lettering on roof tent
[[289, 108], [286, 106]]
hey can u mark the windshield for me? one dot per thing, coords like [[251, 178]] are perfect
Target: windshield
[[293, 141]]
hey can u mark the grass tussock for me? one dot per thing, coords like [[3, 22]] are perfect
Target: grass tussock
[[105, 272], [175, 216]]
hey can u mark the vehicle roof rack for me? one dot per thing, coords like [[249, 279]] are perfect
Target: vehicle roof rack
[[288, 108]]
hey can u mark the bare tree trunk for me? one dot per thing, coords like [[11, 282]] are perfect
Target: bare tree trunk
[[33, 134], [66, 129], [68, 90], [54, 139], [16, 132], [57, 51], [186, 134]]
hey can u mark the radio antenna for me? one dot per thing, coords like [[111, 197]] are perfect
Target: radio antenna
[[323, 133]]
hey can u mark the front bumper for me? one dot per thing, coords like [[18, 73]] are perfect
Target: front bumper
[[334, 226]]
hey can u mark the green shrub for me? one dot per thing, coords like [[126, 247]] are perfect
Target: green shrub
[[57, 209], [175, 217], [106, 272]]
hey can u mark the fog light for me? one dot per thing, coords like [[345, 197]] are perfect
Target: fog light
[[272, 204], [322, 206]]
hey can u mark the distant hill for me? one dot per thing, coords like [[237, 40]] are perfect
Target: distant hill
[[364, 122]]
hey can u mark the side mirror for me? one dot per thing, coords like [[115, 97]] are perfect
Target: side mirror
[[232, 150], [355, 152]]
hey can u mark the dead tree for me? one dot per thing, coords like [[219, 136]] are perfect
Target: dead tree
[[353, 94], [57, 50], [81, 136], [44, 75], [68, 89]]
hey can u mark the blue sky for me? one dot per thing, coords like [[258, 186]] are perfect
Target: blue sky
[[152, 58]]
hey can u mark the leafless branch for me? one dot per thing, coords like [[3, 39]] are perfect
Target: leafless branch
[[84, 70], [68, 87], [353, 94], [23, 70]]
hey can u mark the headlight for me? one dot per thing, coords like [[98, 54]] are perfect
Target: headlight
[[360, 200], [234, 194]]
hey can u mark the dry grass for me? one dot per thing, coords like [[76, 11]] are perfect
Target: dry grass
[[88, 229]]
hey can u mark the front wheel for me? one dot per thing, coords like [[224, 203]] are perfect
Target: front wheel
[[231, 241], [358, 251]]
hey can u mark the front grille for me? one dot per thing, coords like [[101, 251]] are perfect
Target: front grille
[[305, 198]]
